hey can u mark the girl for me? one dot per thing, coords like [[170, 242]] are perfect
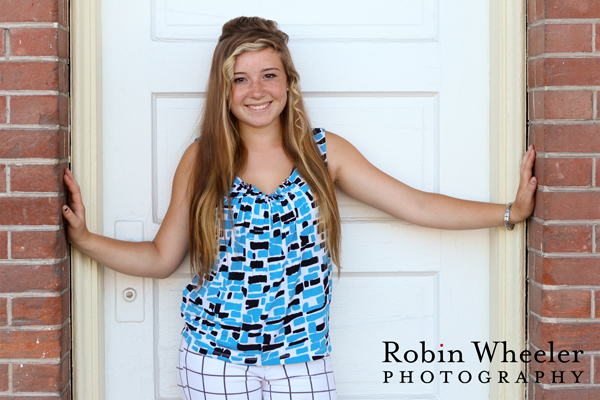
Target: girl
[[253, 203]]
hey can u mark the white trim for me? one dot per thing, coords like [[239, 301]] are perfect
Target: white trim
[[507, 144], [86, 149], [507, 141]]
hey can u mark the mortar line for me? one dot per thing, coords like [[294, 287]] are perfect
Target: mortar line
[[7, 177], [6, 43], [9, 311], [595, 161], [593, 306], [32, 294], [564, 88], [8, 109], [10, 378], [562, 288], [23, 228]]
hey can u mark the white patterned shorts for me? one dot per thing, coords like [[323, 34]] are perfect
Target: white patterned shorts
[[205, 378]]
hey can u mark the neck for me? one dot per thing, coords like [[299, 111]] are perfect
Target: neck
[[256, 138]]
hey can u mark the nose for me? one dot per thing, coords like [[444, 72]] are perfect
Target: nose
[[257, 89]]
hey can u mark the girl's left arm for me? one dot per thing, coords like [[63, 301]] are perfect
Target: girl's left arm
[[357, 177]]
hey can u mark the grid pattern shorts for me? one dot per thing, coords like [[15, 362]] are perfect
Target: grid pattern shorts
[[205, 378]]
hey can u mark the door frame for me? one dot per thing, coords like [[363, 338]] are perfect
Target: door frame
[[507, 127]]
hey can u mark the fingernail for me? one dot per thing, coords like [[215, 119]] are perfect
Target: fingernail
[[532, 180], [66, 209]]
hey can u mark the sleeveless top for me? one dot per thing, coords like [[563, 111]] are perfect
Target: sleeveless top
[[266, 301]]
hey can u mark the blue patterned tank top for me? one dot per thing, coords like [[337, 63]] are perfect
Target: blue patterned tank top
[[266, 302]]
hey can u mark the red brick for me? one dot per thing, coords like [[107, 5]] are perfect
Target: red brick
[[37, 378], [597, 38], [31, 344], [28, 75], [582, 366], [34, 41], [3, 311], [537, 75], [63, 44], [566, 138], [537, 106], [559, 239], [568, 104], [38, 245], [37, 311], [597, 305], [564, 38], [572, 9], [536, 40], [2, 178], [63, 110], [33, 144], [31, 210], [66, 393], [3, 245], [540, 9], [567, 205], [571, 71], [38, 110], [563, 171], [3, 110], [3, 377], [566, 336], [2, 43], [63, 78], [559, 303], [591, 393], [63, 12], [566, 271], [28, 278], [28, 11], [37, 178]]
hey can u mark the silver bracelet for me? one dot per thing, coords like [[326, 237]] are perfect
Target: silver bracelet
[[506, 215]]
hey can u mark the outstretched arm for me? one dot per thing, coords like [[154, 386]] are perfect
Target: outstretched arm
[[156, 259], [357, 177]]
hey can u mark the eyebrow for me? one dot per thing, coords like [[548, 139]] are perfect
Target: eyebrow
[[264, 70]]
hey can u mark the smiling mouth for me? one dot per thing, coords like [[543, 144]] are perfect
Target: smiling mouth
[[259, 107]]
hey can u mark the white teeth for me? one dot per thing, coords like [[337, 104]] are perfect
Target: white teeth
[[259, 107]]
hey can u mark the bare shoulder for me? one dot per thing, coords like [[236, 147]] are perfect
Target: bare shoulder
[[185, 168], [339, 152]]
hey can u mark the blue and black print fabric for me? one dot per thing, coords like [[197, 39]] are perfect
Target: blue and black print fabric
[[267, 300]]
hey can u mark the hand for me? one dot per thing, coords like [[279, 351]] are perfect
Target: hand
[[77, 231], [523, 205]]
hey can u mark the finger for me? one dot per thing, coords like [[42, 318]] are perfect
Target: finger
[[74, 189], [73, 220]]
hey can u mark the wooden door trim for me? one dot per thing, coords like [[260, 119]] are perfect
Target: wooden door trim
[[507, 141], [508, 130], [87, 278]]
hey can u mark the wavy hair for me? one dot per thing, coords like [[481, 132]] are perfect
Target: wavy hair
[[222, 154]]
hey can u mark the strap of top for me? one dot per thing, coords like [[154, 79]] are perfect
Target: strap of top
[[319, 134]]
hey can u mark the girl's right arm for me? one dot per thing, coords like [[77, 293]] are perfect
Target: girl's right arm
[[158, 258]]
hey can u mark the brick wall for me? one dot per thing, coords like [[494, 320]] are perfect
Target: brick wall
[[34, 265], [564, 267]]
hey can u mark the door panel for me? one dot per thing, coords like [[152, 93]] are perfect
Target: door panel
[[405, 81]]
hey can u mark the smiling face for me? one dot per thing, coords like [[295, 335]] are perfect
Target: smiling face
[[259, 90]]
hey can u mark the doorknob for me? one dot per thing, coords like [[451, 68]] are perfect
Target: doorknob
[[129, 290]]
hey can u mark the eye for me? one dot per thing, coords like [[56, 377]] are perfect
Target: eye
[[270, 76], [239, 80]]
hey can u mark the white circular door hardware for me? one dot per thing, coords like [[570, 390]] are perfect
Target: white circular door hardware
[[129, 294]]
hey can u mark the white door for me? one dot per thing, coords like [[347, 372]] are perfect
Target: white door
[[406, 81]]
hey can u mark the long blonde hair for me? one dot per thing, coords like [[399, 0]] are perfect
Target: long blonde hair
[[222, 154]]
